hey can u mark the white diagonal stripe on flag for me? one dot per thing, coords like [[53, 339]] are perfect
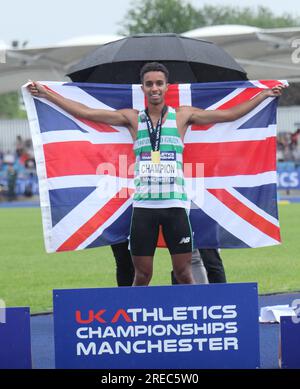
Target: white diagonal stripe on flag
[[86, 180], [252, 206], [100, 230], [241, 181], [84, 211], [95, 137], [233, 223]]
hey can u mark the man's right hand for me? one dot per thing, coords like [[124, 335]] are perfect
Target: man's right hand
[[123, 117], [37, 89]]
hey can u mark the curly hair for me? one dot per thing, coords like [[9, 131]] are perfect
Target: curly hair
[[154, 67]]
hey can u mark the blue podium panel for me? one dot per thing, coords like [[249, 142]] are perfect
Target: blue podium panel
[[159, 327], [15, 345], [290, 342]]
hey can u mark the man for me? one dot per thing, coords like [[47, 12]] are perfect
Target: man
[[160, 197], [201, 272], [11, 176], [124, 265], [213, 264]]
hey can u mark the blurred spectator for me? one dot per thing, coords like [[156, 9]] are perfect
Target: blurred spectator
[[1, 159], [8, 158], [2, 192], [288, 147], [28, 146], [294, 138], [30, 165], [296, 154], [19, 145], [11, 176], [18, 171]]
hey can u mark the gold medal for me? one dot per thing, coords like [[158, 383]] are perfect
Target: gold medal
[[155, 156]]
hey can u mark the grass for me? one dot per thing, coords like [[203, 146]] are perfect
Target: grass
[[28, 275], [275, 268]]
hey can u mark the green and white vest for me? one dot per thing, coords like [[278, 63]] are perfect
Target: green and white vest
[[159, 185]]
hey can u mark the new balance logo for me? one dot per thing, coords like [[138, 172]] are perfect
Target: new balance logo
[[185, 240]]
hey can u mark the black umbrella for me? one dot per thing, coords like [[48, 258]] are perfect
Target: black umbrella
[[188, 60]]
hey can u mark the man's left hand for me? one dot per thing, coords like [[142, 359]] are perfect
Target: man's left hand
[[276, 90]]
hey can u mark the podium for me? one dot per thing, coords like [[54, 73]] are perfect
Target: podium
[[211, 326], [290, 342], [15, 346]]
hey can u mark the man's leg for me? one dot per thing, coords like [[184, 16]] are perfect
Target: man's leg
[[124, 265], [198, 270], [143, 270], [182, 268], [213, 265], [143, 239], [178, 236]]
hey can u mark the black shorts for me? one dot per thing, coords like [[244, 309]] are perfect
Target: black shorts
[[145, 229]]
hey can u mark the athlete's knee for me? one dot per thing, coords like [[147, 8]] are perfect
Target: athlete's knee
[[142, 278], [143, 274], [184, 275]]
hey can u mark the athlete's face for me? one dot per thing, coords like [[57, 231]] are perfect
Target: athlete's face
[[154, 87]]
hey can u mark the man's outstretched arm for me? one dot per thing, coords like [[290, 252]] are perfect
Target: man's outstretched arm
[[199, 116], [115, 118]]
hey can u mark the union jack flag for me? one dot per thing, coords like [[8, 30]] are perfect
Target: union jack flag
[[85, 169]]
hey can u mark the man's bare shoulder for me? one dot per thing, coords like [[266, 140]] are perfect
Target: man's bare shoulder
[[129, 111], [187, 109], [131, 116], [185, 112]]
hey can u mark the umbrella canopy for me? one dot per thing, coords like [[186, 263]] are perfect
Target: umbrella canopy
[[188, 60]]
